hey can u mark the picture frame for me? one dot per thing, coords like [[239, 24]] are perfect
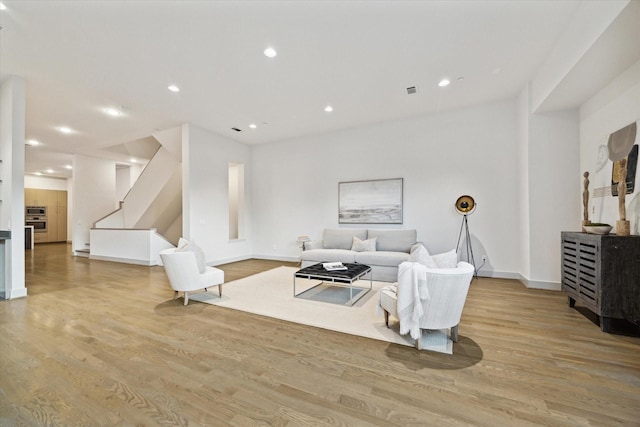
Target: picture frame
[[378, 201]]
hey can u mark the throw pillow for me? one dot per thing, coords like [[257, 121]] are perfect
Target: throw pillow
[[446, 259], [359, 245], [421, 255], [186, 246]]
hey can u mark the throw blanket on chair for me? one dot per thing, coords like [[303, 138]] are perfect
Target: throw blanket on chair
[[412, 294]]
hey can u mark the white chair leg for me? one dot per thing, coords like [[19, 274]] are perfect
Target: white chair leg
[[175, 294], [220, 290], [186, 298]]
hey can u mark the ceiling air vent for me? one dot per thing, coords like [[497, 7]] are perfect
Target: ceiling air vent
[[236, 129], [411, 90]]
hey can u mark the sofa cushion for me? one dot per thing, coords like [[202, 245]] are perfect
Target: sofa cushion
[[446, 259], [363, 245], [190, 246], [394, 240], [384, 258], [341, 239], [421, 255], [328, 255]]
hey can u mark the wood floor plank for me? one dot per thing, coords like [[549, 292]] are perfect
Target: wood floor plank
[[101, 343]]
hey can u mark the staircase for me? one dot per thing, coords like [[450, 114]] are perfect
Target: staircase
[[150, 216]]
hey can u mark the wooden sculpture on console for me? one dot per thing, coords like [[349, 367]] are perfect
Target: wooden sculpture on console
[[623, 226], [585, 201]]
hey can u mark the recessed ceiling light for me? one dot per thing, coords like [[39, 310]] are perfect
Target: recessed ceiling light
[[3, 7], [328, 108], [113, 112], [253, 126], [33, 142], [68, 167], [49, 171], [65, 129], [460, 78], [444, 82], [132, 160], [37, 173], [173, 88], [270, 52]]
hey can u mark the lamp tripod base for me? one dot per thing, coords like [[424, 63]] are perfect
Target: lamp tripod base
[[469, 249]]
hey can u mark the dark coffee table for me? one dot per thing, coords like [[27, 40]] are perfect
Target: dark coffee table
[[342, 278]]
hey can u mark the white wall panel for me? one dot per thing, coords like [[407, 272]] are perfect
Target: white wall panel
[[440, 157], [614, 107], [206, 157]]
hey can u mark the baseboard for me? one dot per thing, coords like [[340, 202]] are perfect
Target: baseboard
[[538, 284], [277, 258], [13, 294], [530, 284], [228, 260], [498, 274], [123, 260]]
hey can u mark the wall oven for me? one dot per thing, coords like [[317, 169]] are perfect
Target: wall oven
[[36, 210], [37, 217], [39, 224]]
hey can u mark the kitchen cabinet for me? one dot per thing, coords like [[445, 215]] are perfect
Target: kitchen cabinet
[[36, 197], [61, 232], [56, 203], [62, 198], [41, 237]]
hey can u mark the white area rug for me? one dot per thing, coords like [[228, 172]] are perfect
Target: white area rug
[[271, 294]]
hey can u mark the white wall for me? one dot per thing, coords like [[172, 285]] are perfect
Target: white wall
[[206, 157], [12, 125], [94, 186], [123, 182], [440, 157], [45, 183], [555, 201], [126, 176], [614, 107], [524, 108]]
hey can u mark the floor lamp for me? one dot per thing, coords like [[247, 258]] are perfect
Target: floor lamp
[[465, 205]]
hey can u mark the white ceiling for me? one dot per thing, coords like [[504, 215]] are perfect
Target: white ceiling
[[79, 57]]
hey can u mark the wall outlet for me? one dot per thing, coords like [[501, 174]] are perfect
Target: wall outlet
[[484, 258]]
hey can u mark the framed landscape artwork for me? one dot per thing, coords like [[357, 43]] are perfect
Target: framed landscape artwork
[[370, 202]]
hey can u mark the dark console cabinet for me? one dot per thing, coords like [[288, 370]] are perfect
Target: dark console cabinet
[[602, 273]]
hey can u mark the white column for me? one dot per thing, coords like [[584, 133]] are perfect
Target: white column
[[12, 128]]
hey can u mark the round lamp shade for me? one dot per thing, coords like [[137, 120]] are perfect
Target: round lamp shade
[[465, 204]]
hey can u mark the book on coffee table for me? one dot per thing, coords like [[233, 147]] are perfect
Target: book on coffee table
[[333, 266]]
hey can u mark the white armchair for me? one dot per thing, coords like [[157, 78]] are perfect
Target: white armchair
[[429, 298], [184, 275]]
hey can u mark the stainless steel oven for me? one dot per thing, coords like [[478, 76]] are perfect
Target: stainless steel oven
[[38, 222], [36, 210]]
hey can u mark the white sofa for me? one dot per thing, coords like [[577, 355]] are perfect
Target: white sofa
[[393, 247]]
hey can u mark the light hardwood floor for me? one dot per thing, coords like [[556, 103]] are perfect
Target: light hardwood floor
[[98, 343]]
